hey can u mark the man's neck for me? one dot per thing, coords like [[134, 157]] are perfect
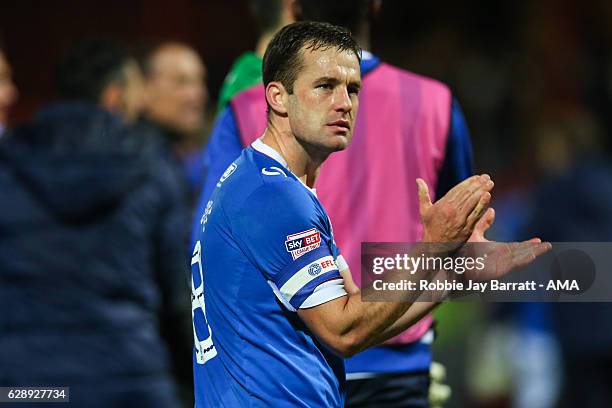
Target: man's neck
[[304, 165]]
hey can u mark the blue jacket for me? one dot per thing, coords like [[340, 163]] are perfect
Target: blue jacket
[[92, 238]]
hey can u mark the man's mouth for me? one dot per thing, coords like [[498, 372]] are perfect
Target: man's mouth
[[341, 125]]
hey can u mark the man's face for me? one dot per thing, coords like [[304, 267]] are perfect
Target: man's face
[[324, 103], [176, 92], [8, 91]]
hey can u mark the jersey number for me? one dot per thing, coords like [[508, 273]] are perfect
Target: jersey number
[[202, 334]]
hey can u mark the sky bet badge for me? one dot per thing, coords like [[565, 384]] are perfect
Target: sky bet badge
[[302, 242]]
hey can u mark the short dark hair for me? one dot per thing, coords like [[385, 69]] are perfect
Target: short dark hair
[[346, 13], [267, 14], [283, 61], [90, 67], [143, 55], [146, 52]]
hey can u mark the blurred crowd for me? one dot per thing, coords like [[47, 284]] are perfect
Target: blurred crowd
[[97, 192], [99, 187]]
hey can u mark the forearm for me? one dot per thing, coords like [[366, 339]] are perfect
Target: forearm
[[371, 320], [347, 325], [361, 313], [350, 324], [416, 312], [380, 321], [420, 308]]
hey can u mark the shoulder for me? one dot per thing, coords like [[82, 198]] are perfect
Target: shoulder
[[283, 195], [256, 182], [277, 198]]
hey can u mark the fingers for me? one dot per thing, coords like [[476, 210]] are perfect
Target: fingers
[[522, 255], [483, 224], [480, 183], [471, 200], [455, 214], [424, 197], [478, 210], [466, 188], [489, 217], [527, 251], [535, 246], [541, 248]]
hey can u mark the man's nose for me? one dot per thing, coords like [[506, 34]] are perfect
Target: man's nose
[[342, 100]]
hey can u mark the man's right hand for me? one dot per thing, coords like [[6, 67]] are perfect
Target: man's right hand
[[501, 257], [452, 218]]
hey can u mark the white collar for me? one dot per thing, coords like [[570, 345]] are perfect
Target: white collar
[[269, 151], [366, 55]]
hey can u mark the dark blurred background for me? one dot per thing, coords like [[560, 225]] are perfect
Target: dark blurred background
[[515, 66], [535, 82]]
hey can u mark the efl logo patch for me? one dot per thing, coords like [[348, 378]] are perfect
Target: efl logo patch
[[322, 265], [302, 242], [314, 269]]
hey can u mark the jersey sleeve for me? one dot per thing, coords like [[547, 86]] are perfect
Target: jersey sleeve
[[223, 148], [284, 234], [458, 161]]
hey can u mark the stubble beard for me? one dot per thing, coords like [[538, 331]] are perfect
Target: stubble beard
[[319, 152]]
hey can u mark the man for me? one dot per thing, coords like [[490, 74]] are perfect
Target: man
[[272, 322], [175, 100], [8, 91], [175, 97], [409, 126], [92, 245]]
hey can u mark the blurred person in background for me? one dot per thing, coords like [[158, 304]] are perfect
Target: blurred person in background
[[575, 187], [175, 102], [408, 126], [91, 254], [270, 16], [8, 91], [564, 348]]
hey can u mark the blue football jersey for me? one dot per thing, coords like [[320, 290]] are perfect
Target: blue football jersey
[[265, 248]]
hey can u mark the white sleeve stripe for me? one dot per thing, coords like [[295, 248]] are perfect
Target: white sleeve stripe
[[309, 272], [342, 264], [325, 292], [280, 297]]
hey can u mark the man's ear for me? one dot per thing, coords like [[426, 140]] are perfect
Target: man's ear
[[112, 97], [276, 95]]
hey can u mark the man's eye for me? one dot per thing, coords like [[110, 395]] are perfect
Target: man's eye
[[325, 86]]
